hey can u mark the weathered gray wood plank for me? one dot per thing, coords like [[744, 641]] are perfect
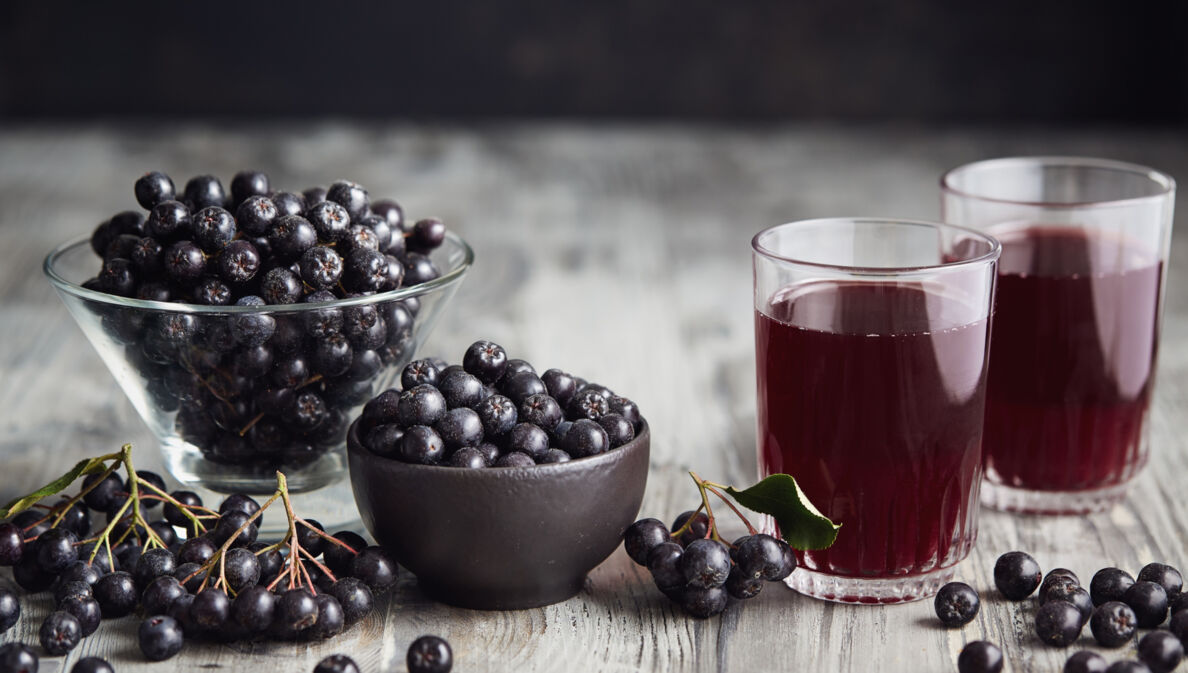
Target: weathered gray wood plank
[[619, 252]]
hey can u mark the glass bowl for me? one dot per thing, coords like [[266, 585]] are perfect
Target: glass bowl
[[227, 420]]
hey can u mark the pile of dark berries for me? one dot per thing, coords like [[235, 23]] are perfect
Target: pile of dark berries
[[492, 411], [269, 390], [1115, 606], [694, 568], [195, 573]]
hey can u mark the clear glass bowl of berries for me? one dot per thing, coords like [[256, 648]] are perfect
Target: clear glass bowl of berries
[[247, 328]]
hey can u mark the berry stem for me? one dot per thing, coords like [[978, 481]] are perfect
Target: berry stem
[[710, 487], [66, 506], [151, 537], [209, 388], [312, 380], [296, 567], [105, 536], [185, 509], [319, 566], [221, 553], [712, 529], [251, 424], [688, 524], [327, 537]]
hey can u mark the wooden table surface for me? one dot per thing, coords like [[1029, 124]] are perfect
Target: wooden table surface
[[618, 252]]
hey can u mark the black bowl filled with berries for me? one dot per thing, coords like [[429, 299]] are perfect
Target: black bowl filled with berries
[[247, 325], [497, 486]]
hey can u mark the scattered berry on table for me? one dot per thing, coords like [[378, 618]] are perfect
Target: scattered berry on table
[[1074, 595], [1149, 602], [1085, 662], [1109, 584], [980, 656], [956, 604], [337, 663], [1113, 624], [1179, 604], [1056, 585], [1161, 651], [1179, 626], [92, 665], [1017, 575], [10, 609], [429, 654], [1058, 623], [86, 611], [18, 658], [59, 633], [1165, 576], [160, 637]]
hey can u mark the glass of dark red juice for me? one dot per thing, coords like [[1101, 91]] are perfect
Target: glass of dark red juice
[[1076, 326], [871, 344]]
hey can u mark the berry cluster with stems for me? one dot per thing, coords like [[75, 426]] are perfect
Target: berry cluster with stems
[[197, 572]]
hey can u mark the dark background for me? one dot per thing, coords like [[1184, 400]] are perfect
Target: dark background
[[918, 60]]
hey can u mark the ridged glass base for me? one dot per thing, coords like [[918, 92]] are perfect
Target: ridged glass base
[[1023, 501], [868, 590]]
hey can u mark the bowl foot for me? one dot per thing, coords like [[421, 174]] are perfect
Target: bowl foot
[[508, 598]]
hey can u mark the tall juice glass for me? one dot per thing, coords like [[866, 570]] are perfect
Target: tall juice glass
[[871, 344], [1076, 331]]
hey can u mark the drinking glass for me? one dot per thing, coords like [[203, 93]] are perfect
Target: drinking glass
[[871, 344], [1076, 327]]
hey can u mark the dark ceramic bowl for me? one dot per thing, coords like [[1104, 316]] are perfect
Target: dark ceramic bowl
[[501, 538]]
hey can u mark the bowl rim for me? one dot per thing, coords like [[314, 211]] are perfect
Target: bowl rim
[[451, 277], [609, 456]]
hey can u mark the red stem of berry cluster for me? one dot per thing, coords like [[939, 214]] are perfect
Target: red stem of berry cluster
[[294, 569], [704, 488]]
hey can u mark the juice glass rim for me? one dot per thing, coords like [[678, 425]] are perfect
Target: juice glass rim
[[990, 255], [1166, 183]]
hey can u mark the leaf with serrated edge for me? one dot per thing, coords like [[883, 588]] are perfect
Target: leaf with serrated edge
[[802, 525], [23, 503]]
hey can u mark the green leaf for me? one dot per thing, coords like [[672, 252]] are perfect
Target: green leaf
[[23, 503], [802, 525]]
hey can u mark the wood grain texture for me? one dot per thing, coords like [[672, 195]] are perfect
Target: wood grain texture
[[580, 232]]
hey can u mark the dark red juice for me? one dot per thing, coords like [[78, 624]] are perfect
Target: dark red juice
[[1073, 345], [872, 396]]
